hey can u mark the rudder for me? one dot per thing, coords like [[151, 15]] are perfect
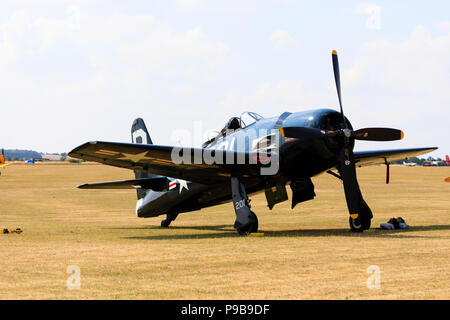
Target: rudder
[[139, 134]]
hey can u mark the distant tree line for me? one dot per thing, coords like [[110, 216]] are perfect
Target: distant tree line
[[22, 155], [19, 155], [420, 161]]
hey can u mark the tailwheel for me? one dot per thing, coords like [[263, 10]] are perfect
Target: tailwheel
[[250, 227], [165, 223], [170, 217]]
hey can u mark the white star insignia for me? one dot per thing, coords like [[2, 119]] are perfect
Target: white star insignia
[[133, 157], [183, 184]]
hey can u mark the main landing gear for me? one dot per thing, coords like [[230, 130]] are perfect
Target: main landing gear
[[246, 220], [169, 218], [360, 221]]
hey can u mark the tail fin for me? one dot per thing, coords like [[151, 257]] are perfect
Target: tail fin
[[139, 134], [447, 160]]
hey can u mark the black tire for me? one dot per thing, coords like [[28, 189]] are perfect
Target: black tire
[[250, 227], [165, 223], [360, 224], [364, 219]]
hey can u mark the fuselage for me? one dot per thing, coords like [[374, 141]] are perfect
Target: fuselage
[[298, 159]]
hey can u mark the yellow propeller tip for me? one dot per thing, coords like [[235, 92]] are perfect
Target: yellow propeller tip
[[402, 135], [282, 131], [334, 52]]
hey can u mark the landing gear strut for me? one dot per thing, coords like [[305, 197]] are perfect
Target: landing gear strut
[[362, 222], [246, 220], [170, 217]]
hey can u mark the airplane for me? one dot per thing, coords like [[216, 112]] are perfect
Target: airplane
[[428, 163], [409, 164], [2, 160], [245, 158]]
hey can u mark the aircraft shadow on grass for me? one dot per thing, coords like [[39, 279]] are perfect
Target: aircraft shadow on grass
[[227, 231]]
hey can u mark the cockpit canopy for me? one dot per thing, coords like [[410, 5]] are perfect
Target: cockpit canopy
[[245, 119], [248, 118]]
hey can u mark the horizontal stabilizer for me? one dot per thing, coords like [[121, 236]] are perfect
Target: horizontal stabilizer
[[156, 184]]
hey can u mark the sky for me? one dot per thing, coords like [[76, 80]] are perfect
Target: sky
[[77, 71]]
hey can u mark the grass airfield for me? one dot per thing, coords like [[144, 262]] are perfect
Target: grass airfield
[[307, 253]]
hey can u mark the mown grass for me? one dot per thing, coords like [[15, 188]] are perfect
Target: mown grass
[[306, 253]]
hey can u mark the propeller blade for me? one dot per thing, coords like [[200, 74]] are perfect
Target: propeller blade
[[379, 134], [337, 79], [351, 186], [306, 132]]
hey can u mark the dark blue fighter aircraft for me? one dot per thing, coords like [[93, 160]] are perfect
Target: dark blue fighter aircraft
[[247, 157]]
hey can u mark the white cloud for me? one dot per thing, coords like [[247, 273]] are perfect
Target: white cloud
[[403, 84], [393, 84], [419, 63], [34, 3], [193, 2], [444, 25], [96, 76], [237, 5], [281, 38], [272, 99], [162, 47]]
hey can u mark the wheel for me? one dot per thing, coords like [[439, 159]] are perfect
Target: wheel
[[169, 218], [365, 217], [250, 227], [360, 224], [165, 223]]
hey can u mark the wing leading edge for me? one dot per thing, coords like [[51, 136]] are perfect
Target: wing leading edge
[[367, 158], [156, 184]]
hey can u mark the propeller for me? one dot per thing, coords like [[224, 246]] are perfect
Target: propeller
[[346, 157], [368, 134]]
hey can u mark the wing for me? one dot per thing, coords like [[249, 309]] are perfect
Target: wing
[[367, 158], [157, 184], [160, 160]]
